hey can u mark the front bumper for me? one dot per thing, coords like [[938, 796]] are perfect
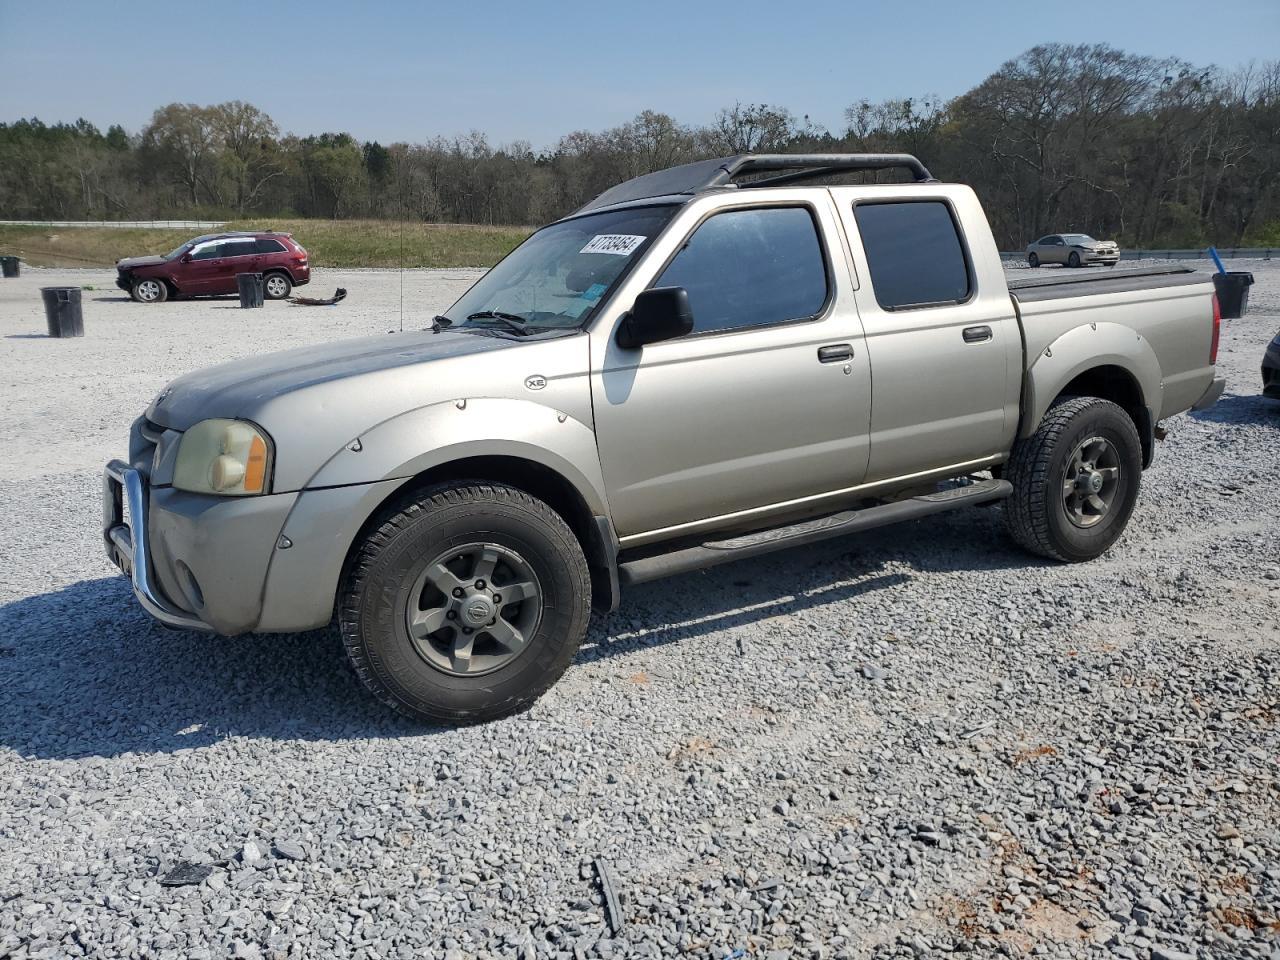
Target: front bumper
[[197, 562], [127, 545], [1109, 257], [1271, 370]]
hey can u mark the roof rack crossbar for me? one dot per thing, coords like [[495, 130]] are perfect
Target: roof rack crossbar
[[807, 166], [692, 178]]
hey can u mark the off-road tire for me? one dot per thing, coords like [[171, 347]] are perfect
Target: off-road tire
[[1033, 260], [380, 580], [1036, 515], [280, 277], [159, 286]]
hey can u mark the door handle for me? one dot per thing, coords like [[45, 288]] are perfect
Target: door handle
[[835, 352], [976, 334]]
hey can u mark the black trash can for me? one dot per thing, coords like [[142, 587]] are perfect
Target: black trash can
[[10, 266], [1233, 293], [62, 311], [251, 292]]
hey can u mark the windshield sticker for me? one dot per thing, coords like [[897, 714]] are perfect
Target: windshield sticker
[[618, 244], [594, 292]]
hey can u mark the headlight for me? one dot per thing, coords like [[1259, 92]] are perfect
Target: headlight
[[231, 458]]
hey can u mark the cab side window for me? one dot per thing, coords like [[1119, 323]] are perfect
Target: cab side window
[[207, 251], [240, 248], [751, 268], [914, 251]]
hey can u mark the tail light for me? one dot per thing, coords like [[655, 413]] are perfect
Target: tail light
[[1217, 330]]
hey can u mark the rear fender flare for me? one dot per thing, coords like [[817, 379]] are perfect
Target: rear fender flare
[[1080, 350]]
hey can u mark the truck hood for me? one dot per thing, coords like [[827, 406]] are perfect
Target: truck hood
[[241, 388], [129, 263]]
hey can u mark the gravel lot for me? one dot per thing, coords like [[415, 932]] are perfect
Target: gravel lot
[[914, 743]]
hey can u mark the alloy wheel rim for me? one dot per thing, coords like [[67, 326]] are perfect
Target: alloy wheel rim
[[148, 290], [474, 609], [1091, 482], [275, 287]]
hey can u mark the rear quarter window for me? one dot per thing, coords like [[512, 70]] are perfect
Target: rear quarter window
[[915, 253], [267, 245]]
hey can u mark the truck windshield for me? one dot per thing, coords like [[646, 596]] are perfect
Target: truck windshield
[[556, 278]]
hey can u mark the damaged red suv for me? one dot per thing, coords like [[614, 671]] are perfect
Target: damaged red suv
[[208, 265]]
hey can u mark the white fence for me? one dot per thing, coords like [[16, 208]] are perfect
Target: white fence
[[121, 224]]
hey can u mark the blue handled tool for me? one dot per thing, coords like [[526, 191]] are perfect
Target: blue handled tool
[[1213, 252]]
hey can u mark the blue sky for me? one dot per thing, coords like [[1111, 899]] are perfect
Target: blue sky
[[536, 70]]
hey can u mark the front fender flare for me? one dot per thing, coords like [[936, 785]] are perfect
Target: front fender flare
[[1086, 348], [413, 442]]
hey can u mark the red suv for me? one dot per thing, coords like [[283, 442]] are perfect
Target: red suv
[[209, 264]]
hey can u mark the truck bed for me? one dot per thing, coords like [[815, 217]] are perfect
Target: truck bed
[[1057, 284]]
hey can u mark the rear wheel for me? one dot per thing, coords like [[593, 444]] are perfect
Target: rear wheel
[[276, 286], [150, 291], [1033, 260], [466, 604], [1074, 259], [1075, 480]]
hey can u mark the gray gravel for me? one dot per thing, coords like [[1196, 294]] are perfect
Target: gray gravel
[[913, 743]]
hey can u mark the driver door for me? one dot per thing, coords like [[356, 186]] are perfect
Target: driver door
[[767, 402]]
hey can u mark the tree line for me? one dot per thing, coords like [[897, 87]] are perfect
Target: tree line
[[1063, 137]]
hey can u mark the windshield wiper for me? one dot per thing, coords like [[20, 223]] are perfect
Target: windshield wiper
[[439, 322], [510, 320]]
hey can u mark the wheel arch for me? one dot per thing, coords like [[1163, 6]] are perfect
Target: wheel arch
[[593, 530], [1105, 360]]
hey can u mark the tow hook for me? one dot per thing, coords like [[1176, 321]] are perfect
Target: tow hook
[[1159, 432]]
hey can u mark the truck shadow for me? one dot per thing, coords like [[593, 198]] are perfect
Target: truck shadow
[[1238, 408], [84, 672]]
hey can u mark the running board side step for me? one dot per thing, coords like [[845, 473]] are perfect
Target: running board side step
[[716, 552]]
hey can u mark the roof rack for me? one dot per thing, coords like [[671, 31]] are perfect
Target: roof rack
[[701, 175]]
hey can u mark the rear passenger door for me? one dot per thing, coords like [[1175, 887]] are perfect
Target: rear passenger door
[[943, 339], [238, 256]]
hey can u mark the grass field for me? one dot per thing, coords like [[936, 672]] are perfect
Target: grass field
[[331, 243]]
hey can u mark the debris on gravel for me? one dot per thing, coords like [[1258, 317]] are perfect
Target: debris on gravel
[[913, 743]]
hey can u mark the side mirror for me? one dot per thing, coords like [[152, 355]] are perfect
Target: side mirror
[[185, 258], [661, 313]]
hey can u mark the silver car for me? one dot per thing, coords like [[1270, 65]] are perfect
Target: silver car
[[1072, 249]]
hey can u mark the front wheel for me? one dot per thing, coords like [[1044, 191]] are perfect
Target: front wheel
[[466, 603], [150, 291], [1075, 480], [1074, 259], [1033, 260], [276, 286]]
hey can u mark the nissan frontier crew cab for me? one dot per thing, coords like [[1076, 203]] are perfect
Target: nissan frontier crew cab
[[702, 364]]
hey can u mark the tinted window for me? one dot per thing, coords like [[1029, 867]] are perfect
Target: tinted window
[[239, 248], [746, 268], [914, 253], [207, 252], [269, 246]]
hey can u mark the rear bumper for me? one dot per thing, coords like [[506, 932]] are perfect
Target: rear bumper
[[1211, 395]]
